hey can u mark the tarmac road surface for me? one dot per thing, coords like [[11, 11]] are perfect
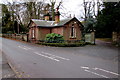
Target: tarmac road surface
[[35, 61]]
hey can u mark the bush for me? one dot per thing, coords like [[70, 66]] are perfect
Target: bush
[[54, 38]]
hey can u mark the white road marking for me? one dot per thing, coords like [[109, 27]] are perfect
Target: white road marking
[[52, 58], [96, 73], [85, 67], [106, 71], [27, 47], [9, 75], [55, 56], [24, 47]]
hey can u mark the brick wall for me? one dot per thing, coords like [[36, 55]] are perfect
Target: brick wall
[[44, 31], [58, 30], [67, 31], [116, 37]]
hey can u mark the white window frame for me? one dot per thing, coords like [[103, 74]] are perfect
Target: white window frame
[[74, 32], [33, 33]]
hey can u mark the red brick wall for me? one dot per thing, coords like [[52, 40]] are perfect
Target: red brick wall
[[67, 31], [44, 31], [29, 34], [32, 26], [58, 30]]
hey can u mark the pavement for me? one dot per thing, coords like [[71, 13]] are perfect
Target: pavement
[[35, 61], [5, 69]]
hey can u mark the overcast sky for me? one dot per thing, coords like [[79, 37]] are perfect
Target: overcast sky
[[73, 7]]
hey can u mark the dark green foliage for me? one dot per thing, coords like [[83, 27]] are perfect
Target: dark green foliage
[[54, 38], [22, 28], [9, 23], [89, 25], [108, 19], [6, 21]]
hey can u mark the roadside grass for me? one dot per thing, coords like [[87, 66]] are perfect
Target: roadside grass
[[105, 39]]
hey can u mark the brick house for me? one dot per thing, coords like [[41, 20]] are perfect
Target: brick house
[[70, 28]]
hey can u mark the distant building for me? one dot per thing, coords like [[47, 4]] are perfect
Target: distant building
[[70, 28]]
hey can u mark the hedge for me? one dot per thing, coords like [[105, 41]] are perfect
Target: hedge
[[64, 44]]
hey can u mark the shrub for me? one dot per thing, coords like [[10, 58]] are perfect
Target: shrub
[[54, 38]]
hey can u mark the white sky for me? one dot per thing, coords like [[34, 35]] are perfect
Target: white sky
[[72, 7]]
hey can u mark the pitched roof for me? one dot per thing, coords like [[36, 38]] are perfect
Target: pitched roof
[[64, 21], [44, 23]]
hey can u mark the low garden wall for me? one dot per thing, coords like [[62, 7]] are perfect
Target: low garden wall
[[62, 43], [116, 38], [90, 38], [22, 37]]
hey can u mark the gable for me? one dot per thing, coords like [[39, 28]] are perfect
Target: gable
[[31, 24], [75, 20]]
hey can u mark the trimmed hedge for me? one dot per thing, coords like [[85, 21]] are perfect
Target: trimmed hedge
[[64, 44]]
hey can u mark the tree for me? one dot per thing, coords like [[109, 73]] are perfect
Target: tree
[[16, 9], [7, 23], [53, 3], [90, 14], [20, 13], [108, 20]]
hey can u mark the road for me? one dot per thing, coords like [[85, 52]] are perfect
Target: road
[[36, 61]]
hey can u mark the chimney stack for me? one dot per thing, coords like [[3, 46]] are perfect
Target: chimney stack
[[70, 16], [47, 16], [57, 16]]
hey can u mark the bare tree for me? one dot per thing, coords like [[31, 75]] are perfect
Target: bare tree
[[91, 9], [53, 7], [85, 9], [32, 10], [16, 12]]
